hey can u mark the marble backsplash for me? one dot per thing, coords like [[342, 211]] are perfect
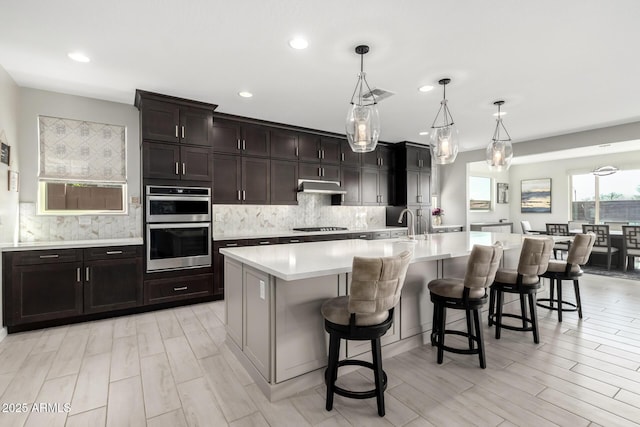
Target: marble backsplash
[[312, 210], [44, 228]]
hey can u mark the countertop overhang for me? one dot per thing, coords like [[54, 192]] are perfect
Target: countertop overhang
[[69, 244], [315, 259]]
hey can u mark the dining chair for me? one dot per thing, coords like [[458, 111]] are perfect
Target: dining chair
[[468, 294], [524, 281], [558, 271], [558, 230], [630, 244], [603, 241], [364, 315], [526, 228]]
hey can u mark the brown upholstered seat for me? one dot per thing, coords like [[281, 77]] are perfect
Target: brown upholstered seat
[[467, 294], [525, 281], [365, 314], [558, 271]]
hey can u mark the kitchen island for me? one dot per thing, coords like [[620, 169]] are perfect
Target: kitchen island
[[273, 297]]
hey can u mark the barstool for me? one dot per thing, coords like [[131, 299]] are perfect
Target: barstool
[[557, 271], [525, 281], [365, 314], [468, 294]]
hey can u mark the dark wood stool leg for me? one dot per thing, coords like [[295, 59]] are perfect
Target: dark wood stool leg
[[559, 293], [499, 302], [523, 310], [441, 323], [492, 302], [476, 318], [469, 329], [331, 374], [534, 316], [435, 325], [377, 371], [551, 291], [576, 288]]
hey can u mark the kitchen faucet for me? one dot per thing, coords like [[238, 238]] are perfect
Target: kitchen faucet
[[410, 223]]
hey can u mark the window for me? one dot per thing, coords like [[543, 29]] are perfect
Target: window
[[599, 199], [82, 167], [479, 193]]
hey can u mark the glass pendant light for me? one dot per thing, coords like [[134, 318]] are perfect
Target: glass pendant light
[[500, 149], [444, 135], [363, 121]]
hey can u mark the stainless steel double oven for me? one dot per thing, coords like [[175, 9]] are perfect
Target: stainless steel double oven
[[178, 226]]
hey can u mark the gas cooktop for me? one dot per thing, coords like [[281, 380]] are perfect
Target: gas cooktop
[[320, 229]]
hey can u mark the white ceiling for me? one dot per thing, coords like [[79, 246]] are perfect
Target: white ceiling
[[561, 66]]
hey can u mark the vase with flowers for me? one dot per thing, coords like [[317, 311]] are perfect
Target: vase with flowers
[[437, 216]]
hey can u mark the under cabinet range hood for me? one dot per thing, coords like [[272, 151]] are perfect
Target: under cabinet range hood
[[319, 187]]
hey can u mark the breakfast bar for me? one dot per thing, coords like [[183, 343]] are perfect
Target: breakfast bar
[[273, 297]]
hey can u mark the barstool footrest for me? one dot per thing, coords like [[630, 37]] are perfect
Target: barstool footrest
[[511, 327], [459, 350], [367, 394], [560, 303]]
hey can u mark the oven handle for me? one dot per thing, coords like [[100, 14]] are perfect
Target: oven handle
[[179, 225], [181, 198]]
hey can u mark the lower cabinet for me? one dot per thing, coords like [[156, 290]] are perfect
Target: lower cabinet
[[177, 288], [47, 285]]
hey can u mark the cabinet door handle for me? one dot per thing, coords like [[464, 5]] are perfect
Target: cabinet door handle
[[182, 132], [239, 195], [381, 162], [244, 195], [265, 242], [319, 154], [296, 151], [342, 157], [319, 171], [86, 273], [342, 198], [419, 199], [184, 168], [244, 144], [49, 256], [176, 131], [177, 173], [294, 241], [322, 171], [230, 245], [114, 252], [322, 154], [78, 274], [182, 288], [238, 143]]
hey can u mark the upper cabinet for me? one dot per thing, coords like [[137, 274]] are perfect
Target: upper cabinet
[[347, 156], [284, 144], [234, 137], [382, 157], [418, 158], [315, 148], [177, 120]]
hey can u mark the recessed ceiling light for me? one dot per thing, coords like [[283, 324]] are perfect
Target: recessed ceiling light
[[79, 56], [245, 94], [298, 43], [424, 133], [502, 113], [425, 88]]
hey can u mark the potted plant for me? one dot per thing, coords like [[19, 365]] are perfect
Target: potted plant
[[437, 215]]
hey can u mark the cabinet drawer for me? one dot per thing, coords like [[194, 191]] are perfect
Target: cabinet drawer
[[111, 252], [365, 236], [398, 233], [230, 243], [262, 242], [47, 257], [178, 288], [381, 235]]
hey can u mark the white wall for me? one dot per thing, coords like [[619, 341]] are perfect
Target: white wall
[[9, 128], [453, 178], [34, 102]]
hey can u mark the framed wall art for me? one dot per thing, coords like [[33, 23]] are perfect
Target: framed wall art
[[535, 195], [502, 192], [5, 152]]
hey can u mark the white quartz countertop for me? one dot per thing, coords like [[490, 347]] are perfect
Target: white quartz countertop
[[69, 244], [286, 233], [314, 259]]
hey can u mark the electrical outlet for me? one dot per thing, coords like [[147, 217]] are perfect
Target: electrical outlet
[[262, 290], [135, 200], [84, 220]]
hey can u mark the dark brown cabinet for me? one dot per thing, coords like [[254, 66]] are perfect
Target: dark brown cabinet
[[347, 156], [234, 137], [218, 264], [418, 187], [382, 157], [351, 183], [284, 182], [170, 161], [319, 171], [417, 158], [377, 187], [50, 285], [239, 179], [315, 148], [166, 121], [284, 145], [173, 289], [112, 278]]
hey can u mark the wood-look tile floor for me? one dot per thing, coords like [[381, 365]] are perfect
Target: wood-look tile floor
[[172, 368]]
